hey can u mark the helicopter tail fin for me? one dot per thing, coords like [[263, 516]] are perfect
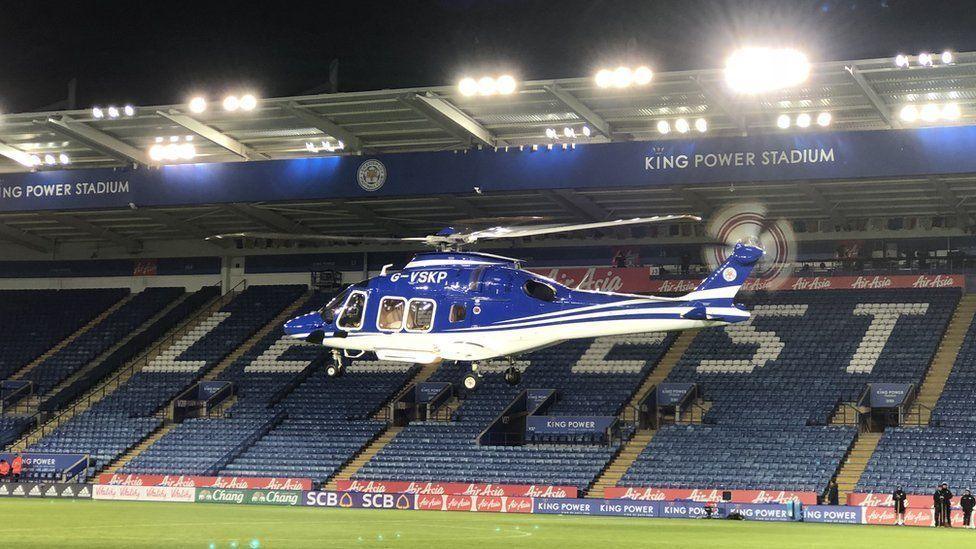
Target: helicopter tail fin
[[727, 279]]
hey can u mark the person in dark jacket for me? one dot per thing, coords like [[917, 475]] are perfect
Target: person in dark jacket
[[832, 493], [967, 502], [899, 497], [937, 506], [946, 505]]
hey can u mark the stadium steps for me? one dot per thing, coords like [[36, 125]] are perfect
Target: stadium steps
[[663, 368], [100, 391], [854, 464], [423, 374], [620, 463], [36, 400], [71, 338], [364, 455], [274, 324], [139, 448], [938, 373]]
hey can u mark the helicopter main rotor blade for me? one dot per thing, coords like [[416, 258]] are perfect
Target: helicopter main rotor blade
[[495, 233], [315, 237]]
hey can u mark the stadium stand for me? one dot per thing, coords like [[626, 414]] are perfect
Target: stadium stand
[[54, 314], [592, 377], [772, 401], [918, 458], [133, 313], [128, 414]]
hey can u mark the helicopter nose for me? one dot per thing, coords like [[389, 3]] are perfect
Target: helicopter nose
[[300, 327]]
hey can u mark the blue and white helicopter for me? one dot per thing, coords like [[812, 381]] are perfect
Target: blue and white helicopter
[[476, 307]]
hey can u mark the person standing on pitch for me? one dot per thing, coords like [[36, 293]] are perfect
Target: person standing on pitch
[[937, 506], [946, 505], [17, 467], [832, 495], [967, 502], [899, 497]]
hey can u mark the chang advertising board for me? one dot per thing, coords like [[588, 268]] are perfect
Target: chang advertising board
[[248, 497]]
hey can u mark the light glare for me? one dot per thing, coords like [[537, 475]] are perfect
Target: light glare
[[505, 84], [248, 102], [198, 104], [761, 70], [681, 125], [468, 87], [909, 113], [783, 121], [701, 125], [604, 78], [231, 103], [663, 127], [823, 119], [642, 76], [803, 120]]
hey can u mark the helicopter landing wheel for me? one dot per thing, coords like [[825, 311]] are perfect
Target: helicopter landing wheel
[[471, 381]]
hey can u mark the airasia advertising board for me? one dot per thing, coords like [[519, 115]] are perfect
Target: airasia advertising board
[[188, 481], [639, 279], [710, 496], [884, 500], [457, 489]]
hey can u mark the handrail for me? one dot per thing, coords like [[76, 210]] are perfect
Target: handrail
[[143, 359], [917, 414]]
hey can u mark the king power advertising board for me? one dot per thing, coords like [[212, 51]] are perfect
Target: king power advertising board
[[806, 156]]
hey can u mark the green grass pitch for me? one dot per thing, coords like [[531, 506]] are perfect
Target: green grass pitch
[[82, 523]]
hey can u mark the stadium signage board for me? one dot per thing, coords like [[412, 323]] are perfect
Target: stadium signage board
[[189, 481], [248, 497], [457, 488], [568, 425], [639, 279], [670, 394], [45, 490], [836, 514], [359, 500], [143, 493], [709, 495], [480, 504], [888, 395], [802, 156], [600, 507], [48, 463]]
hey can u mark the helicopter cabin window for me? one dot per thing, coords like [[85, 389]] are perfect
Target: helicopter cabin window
[[391, 313], [420, 316], [352, 313], [458, 312], [539, 290]]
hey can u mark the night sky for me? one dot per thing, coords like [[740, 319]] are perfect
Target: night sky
[[150, 51]]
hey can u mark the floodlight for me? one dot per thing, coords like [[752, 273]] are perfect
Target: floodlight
[[909, 113], [487, 85], [231, 103], [902, 61], [761, 70], [642, 76], [663, 127], [604, 78], [681, 125], [248, 102], [803, 120], [468, 86], [701, 125], [823, 119], [198, 104], [505, 84], [783, 121]]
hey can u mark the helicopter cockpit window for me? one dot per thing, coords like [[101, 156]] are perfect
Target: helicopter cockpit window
[[332, 307], [352, 314], [538, 290], [391, 313], [420, 317]]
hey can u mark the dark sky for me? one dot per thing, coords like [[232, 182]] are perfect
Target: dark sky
[[151, 51]]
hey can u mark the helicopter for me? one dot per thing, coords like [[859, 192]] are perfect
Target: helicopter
[[456, 305]]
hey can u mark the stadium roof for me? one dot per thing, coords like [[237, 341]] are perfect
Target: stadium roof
[[861, 95]]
